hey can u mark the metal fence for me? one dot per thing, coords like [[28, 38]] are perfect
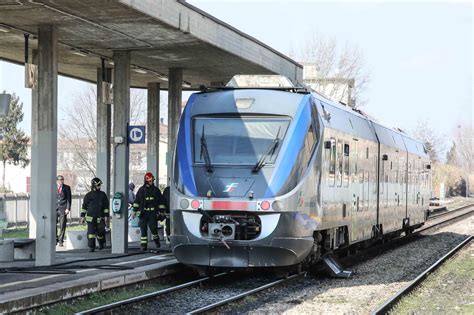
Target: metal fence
[[15, 208]]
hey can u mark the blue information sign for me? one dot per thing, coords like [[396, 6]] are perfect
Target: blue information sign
[[136, 134]]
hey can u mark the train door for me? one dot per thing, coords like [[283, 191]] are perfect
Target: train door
[[410, 193], [398, 198], [404, 184], [356, 193]]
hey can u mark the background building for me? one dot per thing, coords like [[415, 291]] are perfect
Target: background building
[[78, 166]]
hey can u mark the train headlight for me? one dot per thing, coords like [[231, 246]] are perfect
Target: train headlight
[[195, 204], [277, 205], [184, 203], [264, 205], [227, 230]]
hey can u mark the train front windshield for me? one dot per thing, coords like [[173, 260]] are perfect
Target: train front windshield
[[238, 141]]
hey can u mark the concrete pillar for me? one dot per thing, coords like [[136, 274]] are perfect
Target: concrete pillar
[[34, 157], [45, 149], [175, 90], [121, 150], [103, 132], [153, 126]]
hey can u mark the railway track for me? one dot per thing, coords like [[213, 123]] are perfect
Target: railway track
[[449, 212], [391, 302], [168, 297], [451, 217], [446, 218], [432, 224], [216, 305], [145, 297]]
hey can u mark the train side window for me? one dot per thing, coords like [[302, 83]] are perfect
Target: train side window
[[363, 190], [396, 171], [332, 163], [309, 143], [355, 155], [367, 183], [409, 177], [382, 177], [346, 164], [339, 162]]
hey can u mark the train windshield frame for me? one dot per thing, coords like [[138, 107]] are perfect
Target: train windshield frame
[[238, 140]]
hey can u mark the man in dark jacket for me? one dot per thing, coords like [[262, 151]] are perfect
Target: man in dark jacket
[[63, 207], [149, 205], [95, 211]]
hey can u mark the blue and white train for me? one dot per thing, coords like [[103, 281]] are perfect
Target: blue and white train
[[281, 176]]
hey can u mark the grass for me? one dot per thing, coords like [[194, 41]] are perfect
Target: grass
[[97, 299], [449, 290]]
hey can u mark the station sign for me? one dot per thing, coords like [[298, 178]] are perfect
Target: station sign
[[136, 134]]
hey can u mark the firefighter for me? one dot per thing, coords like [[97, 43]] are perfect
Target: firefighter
[[149, 206], [95, 211]]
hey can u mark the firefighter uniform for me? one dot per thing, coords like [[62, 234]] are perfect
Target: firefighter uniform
[[149, 205], [95, 210]]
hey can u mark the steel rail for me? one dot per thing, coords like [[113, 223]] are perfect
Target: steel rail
[[448, 212], [242, 295], [147, 296], [391, 302], [448, 220]]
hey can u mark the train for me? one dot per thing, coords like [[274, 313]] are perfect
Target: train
[[267, 174]]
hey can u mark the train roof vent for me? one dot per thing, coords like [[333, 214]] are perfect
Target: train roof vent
[[260, 81]]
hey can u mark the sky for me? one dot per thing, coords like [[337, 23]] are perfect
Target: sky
[[419, 55]]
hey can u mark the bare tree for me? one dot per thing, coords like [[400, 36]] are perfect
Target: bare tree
[[340, 70], [433, 141], [78, 133]]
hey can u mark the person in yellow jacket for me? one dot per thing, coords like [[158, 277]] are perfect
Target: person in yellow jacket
[[149, 206], [95, 211]]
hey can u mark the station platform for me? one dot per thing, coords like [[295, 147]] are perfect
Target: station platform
[[79, 272]]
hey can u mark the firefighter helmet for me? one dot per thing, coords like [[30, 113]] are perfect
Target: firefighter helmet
[[149, 177], [96, 183]]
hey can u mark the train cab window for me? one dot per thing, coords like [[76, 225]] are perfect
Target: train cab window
[[346, 165], [332, 163], [339, 163]]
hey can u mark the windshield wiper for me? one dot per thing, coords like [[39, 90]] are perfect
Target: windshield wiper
[[205, 152], [270, 151]]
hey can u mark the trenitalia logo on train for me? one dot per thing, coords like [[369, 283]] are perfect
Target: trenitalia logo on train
[[269, 174]]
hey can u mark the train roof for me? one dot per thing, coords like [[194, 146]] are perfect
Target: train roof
[[360, 124], [335, 115]]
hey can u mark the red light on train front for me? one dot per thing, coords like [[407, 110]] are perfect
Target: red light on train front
[[195, 204], [264, 205]]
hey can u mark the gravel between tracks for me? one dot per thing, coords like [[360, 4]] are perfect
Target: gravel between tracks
[[193, 298], [373, 281]]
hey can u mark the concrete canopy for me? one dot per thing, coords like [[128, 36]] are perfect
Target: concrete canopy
[[160, 34]]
